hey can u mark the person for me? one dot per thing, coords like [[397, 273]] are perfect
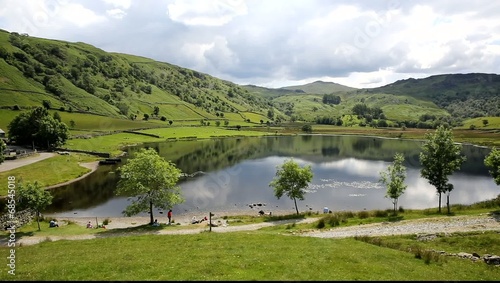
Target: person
[[89, 225], [156, 224], [194, 220], [261, 212], [169, 215], [53, 223]]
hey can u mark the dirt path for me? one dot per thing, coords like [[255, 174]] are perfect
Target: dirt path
[[13, 164], [418, 226]]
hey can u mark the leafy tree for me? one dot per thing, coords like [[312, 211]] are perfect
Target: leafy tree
[[170, 122], [238, 127], [39, 128], [152, 180], [485, 122], [492, 161], [163, 118], [331, 99], [394, 179], [33, 196], [46, 104], [146, 116], [217, 123], [3, 147], [72, 124], [440, 157], [226, 122], [291, 180], [156, 110], [307, 128], [56, 116]]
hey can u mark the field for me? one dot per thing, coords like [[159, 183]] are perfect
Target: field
[[264, 254]]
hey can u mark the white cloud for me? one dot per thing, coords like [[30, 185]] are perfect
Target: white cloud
[[124, 4], [116, 13], [206, 13], [277, 43]]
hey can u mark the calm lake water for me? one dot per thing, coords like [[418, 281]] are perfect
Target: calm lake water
[[235, 172]]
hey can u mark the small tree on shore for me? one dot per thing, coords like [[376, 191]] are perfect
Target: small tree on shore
[[492, 161], [152, 180], [291, 180], [394, 179], [440, 157], [33, 196], [3, 147]]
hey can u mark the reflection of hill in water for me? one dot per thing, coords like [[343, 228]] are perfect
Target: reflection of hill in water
[[217, 154], [210, 155]]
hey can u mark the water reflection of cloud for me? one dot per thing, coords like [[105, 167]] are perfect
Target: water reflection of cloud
[[355, 166]]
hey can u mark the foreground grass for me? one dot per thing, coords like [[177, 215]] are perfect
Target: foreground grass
[[231, 256], [51, 171]]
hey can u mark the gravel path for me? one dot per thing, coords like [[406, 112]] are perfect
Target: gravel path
[[419, 226], [13, 164]]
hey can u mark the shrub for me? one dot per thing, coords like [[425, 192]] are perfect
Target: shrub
[[363, 214], [105, 221], [380, 213]]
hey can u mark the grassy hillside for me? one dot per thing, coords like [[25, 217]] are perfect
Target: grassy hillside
[[462, 95], [78, 77], [320, 87]]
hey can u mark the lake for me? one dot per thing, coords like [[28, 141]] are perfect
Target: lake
[[231, 173]]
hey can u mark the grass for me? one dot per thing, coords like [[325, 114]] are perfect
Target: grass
[[264, 254], [231, 256], [51, 171]]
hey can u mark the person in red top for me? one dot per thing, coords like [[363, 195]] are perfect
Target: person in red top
[[169, 215]]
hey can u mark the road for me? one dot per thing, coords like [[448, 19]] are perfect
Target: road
[[13, 164]]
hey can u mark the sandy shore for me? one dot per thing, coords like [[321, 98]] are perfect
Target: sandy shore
[[183, 219]]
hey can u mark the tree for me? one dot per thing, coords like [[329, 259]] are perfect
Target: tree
[[3, 147], [226, 122], [170, 122], [291, 180], [440, 157], [492, 161], [56, 116], [485, 122], [72, 124], [33, 196], [217, 123], [37, 127], [46, 104], [394, 179], [152, 180], [307, 128], [156, 110], [146, 116]]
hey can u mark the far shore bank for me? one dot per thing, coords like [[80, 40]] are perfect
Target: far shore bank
[[90, 165]]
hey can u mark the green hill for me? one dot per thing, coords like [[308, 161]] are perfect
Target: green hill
[[462, 95], [80, 78], [319, 87]]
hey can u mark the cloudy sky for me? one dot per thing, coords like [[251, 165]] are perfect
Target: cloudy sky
[[275, 43]]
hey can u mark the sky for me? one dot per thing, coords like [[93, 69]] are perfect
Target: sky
[[277, 43]]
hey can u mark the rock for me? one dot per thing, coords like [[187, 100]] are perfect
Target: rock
[[476, 255], [492, 259]]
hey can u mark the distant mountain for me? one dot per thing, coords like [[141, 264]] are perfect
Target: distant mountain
[[320, 87], [462, 95]]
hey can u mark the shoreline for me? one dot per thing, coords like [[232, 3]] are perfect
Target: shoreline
[[184, 219], [89, 165]]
